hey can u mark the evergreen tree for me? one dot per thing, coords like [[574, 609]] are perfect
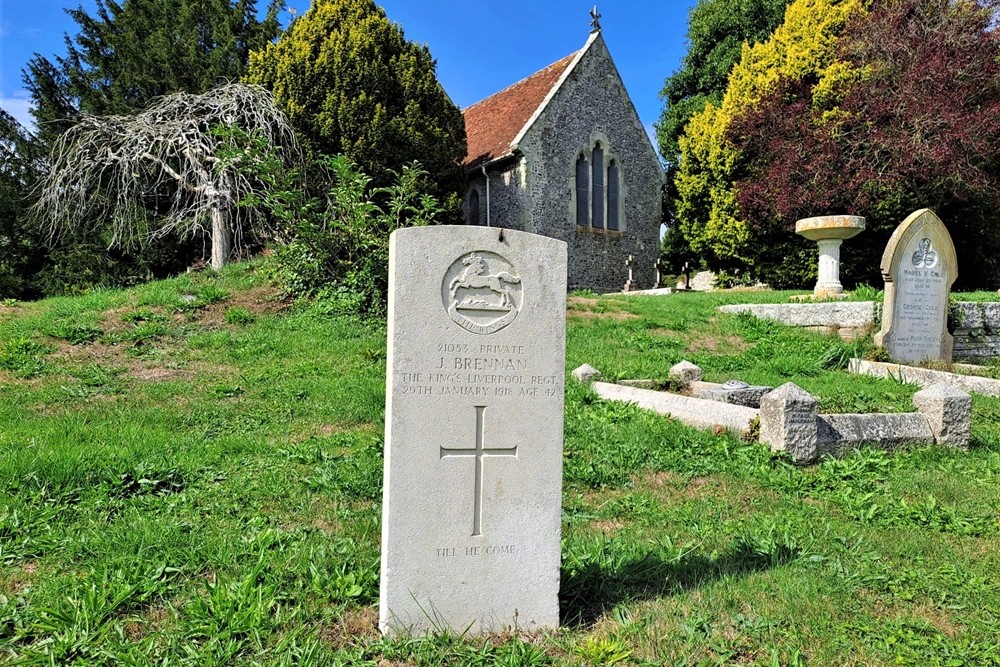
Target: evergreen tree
[[717, 31], [20, 245], [131, 52], [803, 48], [352, 84]]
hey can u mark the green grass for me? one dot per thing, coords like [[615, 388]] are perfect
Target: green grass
[[198, 483]]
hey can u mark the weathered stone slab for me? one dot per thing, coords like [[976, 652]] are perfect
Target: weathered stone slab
[[474, 425], [746, 396], [658, 291], [948, 412], [839, 434], [853, 314], [919, 267], [691, 411], [788, 422], [925, 376]]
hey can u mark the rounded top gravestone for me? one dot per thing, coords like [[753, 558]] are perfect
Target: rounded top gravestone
[[472, 491], [919, 267]]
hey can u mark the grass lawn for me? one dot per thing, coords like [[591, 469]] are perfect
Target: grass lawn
[[190, 474]]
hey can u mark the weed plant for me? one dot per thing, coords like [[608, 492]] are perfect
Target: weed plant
[[210, 494]]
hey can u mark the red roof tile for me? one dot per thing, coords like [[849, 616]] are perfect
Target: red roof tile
[[492, 124]]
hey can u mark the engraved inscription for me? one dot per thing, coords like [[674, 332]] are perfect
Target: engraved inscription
[[477, 370], [481, 292], [478, 550], [480, 451], [921, 304]]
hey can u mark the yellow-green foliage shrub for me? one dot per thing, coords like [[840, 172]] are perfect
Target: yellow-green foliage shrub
[[802, 47]]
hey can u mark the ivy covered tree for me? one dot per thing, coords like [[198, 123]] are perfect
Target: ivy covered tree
[[803, 48], [917, 125], [352, 84]]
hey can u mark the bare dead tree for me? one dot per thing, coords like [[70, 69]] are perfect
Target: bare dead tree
[[109, 170]]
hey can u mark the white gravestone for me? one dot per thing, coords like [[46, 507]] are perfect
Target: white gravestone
[[472, 494], [919, 267]]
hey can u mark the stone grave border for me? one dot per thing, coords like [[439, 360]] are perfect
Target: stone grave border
[[787, 417], [976, 323]]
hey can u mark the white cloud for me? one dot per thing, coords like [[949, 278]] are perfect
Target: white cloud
[[18, 107]]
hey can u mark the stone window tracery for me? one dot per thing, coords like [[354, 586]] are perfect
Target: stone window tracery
[[597, 186], [582, 191]]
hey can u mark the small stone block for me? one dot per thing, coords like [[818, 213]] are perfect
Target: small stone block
[[949, 413], [685, 372], [788, 422], [586, 373]]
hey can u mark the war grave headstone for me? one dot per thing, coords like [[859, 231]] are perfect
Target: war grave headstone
[[474, 431], [919, 267]]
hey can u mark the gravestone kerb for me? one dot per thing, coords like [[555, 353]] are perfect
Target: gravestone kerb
[[472, 490], [919, 267]]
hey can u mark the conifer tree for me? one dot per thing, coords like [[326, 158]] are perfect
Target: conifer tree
[[804, 47], [353, 84], [717, 30], [130, 52]]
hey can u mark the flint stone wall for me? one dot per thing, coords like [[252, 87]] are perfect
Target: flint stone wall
[[537, 191], [976, 330]]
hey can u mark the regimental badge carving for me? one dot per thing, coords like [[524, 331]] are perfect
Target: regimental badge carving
[[925, 257], [482, 292]]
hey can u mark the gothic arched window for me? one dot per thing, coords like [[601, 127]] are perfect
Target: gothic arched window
[[582, 190], [597, 186], [613, 195]]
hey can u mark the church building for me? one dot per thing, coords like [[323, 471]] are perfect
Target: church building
[[563, 153]]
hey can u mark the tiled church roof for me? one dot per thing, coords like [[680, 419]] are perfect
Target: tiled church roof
[[492, 124]]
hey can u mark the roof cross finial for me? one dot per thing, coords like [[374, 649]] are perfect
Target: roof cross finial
[[595, 23]]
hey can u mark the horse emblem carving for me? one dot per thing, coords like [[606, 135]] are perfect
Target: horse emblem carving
[[474, 277], [482, 292]]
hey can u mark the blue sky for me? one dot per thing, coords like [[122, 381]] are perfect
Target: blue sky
[[480, 47]]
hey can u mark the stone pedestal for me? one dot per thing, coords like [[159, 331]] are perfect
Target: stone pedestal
[[829, 267], [829, 231]]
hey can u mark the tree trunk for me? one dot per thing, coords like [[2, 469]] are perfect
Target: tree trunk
[[222, 238]]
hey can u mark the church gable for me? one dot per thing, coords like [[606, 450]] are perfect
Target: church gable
[[493, 125], [566, 156]]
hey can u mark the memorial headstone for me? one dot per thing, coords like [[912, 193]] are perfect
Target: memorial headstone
[[472, 493], [919, 267]]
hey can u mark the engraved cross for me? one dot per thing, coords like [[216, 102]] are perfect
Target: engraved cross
[[480, 451]]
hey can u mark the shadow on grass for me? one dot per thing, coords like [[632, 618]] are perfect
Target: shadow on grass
[[592, 586]]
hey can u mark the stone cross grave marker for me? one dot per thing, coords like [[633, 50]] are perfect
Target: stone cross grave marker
[[472, 494], [919, 267], [629, 284]]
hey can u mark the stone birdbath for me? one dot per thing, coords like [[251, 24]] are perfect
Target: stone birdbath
[[829, 231]]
